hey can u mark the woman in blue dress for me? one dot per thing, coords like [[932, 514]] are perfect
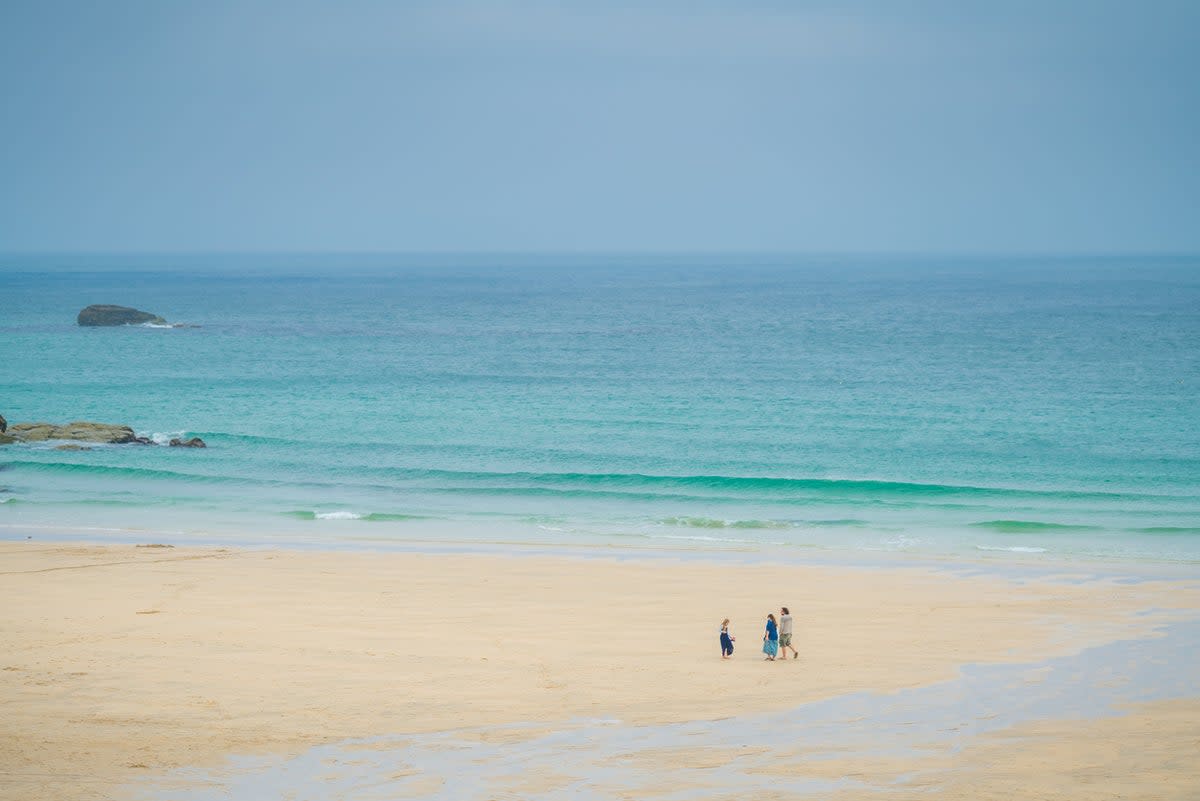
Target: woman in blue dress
[[771, 638], [726, 640]]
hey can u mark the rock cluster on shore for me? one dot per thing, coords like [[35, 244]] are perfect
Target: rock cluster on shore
[[83, 431]]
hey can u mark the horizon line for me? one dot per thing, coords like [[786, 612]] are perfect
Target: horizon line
[[619, 252]]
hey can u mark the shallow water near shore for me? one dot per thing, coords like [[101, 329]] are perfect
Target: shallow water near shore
[[1038, 408]]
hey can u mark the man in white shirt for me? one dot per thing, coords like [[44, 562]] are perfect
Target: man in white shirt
[[785, 634]]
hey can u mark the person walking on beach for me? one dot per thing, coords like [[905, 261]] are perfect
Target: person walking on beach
[[785, 633], [771, 639], [726, 640]]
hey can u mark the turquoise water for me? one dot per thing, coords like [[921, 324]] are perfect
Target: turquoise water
[[1024, 408]]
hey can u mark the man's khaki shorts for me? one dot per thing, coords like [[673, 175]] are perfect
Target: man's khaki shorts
[[785, 641]]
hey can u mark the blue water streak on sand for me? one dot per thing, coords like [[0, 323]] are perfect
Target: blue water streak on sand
[[601, 758]]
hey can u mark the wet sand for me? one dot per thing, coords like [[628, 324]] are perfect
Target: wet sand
[[125, 667]]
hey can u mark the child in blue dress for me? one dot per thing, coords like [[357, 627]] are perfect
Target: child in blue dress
[[726, 640]]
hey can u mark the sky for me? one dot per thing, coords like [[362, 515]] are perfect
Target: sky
[[951, 126]]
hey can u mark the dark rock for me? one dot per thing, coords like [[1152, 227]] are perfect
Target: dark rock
[[3, 424], [116, 315], [194, 442], [142, 441], [71, 448]]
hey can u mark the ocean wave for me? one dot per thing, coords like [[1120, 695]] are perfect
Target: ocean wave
[[901, 541], [569, 493], [1028, 526], [139, 501], [308, 514], [1011, 548], [702, 538], [257, 439], [159, 438], [708, 522], [1167, 530], [762, 484], [141, 472], [684, 492], [372, 517], [775, 490], [383, 517], [820, 486]]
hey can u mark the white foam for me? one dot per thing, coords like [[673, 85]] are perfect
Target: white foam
[[701, 538], [1012, 549], [338, 516], [901, 542], [160, 438]]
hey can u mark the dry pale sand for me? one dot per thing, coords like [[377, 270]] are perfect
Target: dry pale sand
[[118, 662]]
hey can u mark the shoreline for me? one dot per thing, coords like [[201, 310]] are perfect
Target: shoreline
[[119, 657], [1037, 565]]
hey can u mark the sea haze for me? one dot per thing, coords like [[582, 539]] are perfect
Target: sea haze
[[1023, 408]]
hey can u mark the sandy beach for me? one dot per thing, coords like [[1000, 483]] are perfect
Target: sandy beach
[[398, 396], [123, 665]]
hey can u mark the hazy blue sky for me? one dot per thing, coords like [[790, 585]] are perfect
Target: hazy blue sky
[[915, 126]]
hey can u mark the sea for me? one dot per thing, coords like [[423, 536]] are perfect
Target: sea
[[1014, 408]]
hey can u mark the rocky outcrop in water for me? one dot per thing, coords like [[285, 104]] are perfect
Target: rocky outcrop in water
[[102, 314], [87, 432], [79, 431], [194, 442]]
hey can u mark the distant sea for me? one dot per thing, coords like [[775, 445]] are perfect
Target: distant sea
[[1031, 408]]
